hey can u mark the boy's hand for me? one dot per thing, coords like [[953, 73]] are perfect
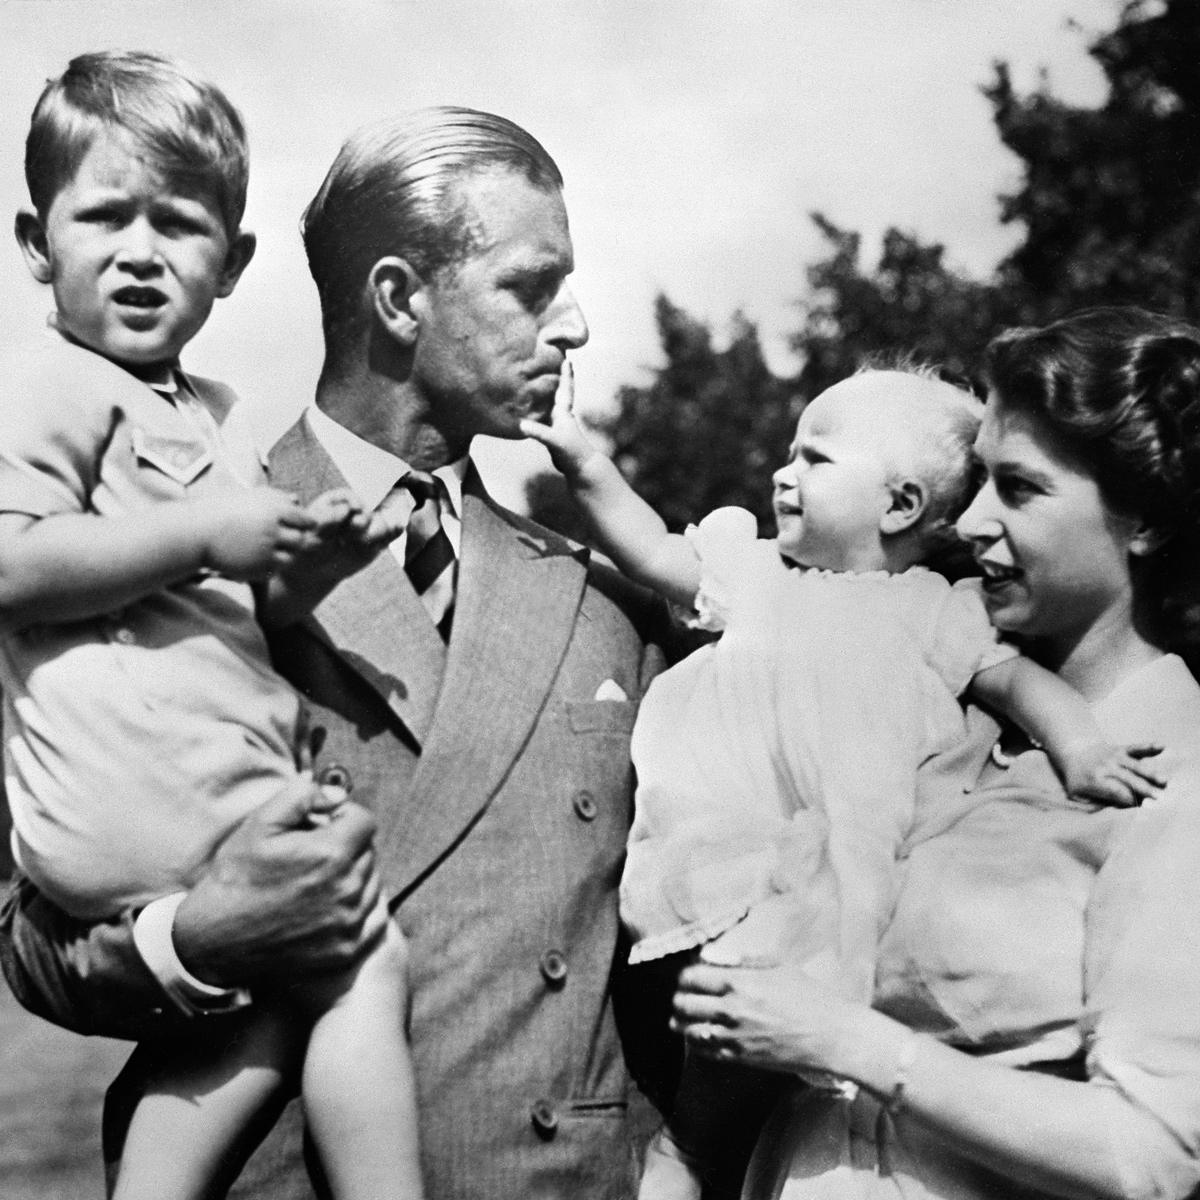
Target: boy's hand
[[250, 534], [563, 436], [1119, 776], [344, 538]]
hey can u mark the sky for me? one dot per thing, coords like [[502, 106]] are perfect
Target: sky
[[695, 138]]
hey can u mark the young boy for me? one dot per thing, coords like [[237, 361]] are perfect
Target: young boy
[[142, 720]]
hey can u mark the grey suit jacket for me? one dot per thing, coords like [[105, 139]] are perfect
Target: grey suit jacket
[[502, 791]]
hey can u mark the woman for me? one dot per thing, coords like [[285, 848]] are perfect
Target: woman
[[1036, 1029]]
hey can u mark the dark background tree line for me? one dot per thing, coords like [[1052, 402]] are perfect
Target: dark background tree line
[[1108, 211]]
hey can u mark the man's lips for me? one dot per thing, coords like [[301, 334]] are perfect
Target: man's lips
[[135, 296]]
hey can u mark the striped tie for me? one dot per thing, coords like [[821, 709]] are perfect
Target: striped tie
[[428, 555]]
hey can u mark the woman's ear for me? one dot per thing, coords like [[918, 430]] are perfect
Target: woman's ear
[[393, 285], [1145, 540], [31, 237], [907, 501]]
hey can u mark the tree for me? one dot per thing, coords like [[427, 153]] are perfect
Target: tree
[[910, 304], [1109, 210], [711, 427], [1109, 196]]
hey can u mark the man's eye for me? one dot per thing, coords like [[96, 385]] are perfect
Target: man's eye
[[534, 293]]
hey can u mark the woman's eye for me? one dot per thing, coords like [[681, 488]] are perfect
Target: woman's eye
[[1014, 488]]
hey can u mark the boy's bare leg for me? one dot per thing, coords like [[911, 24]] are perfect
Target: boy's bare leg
[[201, 1109], [358, 1085]]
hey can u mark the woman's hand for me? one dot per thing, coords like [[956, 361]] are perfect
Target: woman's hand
[[774, 1017]]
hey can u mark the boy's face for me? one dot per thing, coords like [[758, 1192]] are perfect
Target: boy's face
[[135, 260]]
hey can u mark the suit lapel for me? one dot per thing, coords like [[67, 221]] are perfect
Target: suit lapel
[[518, 595], [374, 620]]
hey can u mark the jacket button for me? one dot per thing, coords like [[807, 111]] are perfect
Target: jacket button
[[585, 805], [545, 1119], [335, 775], [554, 967]]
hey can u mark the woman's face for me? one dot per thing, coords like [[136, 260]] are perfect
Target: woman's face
[[1055, 559]]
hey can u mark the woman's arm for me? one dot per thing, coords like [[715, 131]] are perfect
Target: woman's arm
[[1070, 1139]]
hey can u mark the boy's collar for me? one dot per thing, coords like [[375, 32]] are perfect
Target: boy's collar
[[161, 376]]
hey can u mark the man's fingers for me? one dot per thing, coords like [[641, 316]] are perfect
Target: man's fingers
[[1144, 750]]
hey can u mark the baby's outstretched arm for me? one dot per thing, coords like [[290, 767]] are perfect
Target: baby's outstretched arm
[[71, 566], [627, 528], [1055, 715], [342, 539]]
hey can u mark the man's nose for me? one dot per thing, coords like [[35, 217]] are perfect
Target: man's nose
[[567, 326]]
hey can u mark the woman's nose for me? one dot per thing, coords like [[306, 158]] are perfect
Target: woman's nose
[[978, 521]]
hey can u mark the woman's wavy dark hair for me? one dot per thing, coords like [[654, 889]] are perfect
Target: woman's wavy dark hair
[[1121, 388]]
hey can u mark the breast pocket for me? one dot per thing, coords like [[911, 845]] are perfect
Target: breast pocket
[[601, 716], [179, 460]]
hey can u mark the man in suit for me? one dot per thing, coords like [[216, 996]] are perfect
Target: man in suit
[[475, 685]]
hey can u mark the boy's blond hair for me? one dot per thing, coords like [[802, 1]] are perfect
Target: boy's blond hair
[[184, 126]]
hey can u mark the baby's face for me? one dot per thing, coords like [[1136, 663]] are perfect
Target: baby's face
[[135, 259], [832, 492]]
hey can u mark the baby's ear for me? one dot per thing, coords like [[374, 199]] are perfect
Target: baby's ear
[[907, 501], [31, 237]]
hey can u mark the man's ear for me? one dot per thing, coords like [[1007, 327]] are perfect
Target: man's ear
[[906, 506], [237, 258], [394, 286], [31, 237]]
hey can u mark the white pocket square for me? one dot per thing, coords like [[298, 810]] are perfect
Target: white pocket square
[[610, 689]]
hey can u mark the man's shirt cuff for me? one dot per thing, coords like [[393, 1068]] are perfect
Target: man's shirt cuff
[[152, 934]]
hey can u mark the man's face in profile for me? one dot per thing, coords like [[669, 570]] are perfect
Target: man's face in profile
[[495, 328]]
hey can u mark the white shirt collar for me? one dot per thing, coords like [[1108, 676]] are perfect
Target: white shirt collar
[[373, 472]]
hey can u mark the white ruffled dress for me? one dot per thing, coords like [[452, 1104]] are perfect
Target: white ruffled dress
[[780, 761]]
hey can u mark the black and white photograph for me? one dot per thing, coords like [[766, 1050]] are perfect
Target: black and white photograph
[[600, 599]]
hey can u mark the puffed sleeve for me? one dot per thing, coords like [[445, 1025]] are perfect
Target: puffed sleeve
[[965, 641], [1142, 972], [52, 432], [726, 543]]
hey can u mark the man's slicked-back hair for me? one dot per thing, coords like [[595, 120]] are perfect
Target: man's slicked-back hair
[[391, 191], [182, 124]]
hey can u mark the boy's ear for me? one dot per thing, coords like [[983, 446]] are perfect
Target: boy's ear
[[237, 258], [907, 500], [395, 290], [31, 237]]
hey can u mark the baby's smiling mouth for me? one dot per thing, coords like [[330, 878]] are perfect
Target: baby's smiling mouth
[[134, 296]]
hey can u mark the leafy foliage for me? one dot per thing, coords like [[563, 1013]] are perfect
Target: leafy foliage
[[1109, 212]]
